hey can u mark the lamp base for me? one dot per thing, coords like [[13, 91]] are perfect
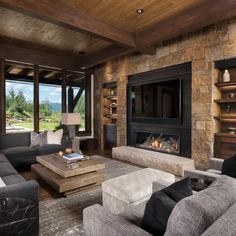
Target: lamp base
[[71, 131]]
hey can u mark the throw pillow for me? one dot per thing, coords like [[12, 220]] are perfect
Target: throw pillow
[[161, 204], [2, 184], [38, 139], [229, 166], [54, 137]]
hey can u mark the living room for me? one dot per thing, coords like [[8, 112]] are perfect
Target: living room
[[141, 95]]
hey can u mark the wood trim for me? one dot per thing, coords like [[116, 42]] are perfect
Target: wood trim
[[51, 10], [2, 98], [63, 92], [36, 98], [206, 13], [70, 99], [88, 103]]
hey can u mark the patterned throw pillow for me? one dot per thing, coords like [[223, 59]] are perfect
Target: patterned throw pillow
[[38, 139]]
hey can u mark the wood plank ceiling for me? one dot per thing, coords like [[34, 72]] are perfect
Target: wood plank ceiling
[[91, 32], [122, 13]]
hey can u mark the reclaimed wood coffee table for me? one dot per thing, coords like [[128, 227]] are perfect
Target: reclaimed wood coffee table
[[54, 170]]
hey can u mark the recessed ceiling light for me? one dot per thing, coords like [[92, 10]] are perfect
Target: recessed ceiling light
[[139, 10]]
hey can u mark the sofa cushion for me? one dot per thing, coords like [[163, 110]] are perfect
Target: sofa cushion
[[229, 166], [15, 139], [161, 204], [6, 169], [19, 153], [49, 149], [13, 179], [225, 225], [3, 159], [193, 215]]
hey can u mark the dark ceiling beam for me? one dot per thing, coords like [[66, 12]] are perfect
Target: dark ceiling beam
[[103, 55], [206, 13], [68, 17], [24, 78], [22, 53]]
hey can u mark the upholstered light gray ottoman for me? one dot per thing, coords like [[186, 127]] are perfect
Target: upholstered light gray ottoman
[[131, 189]]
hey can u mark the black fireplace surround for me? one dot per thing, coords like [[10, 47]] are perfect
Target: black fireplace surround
[[159, 110]]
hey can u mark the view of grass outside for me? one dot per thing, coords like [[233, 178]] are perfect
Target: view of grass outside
[[19, 107]]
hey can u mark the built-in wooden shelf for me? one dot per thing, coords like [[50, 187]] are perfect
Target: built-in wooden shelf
[[225, 119], [225, 142], [225, 135], [225, 84], [225, 100], [109, 115]]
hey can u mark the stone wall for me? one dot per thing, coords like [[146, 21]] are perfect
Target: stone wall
[[202, 48]]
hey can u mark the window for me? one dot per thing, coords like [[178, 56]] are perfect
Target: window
[[22, 112], [19, 100], [49, 107], [78, 92]]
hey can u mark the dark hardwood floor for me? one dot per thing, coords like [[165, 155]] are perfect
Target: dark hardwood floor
[[48, 193]]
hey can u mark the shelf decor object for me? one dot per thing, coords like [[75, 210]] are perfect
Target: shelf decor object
[[226, 76]]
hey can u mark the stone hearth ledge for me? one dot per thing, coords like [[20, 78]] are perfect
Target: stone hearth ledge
[[161, 161]]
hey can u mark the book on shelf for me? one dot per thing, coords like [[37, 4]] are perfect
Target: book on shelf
[[73, 156]]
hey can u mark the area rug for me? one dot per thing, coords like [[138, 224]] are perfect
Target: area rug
[[64, 216]]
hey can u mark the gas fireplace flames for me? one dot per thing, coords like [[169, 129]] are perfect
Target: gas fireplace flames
[[163, 144]]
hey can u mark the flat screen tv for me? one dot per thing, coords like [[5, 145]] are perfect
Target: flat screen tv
[[157, 100]]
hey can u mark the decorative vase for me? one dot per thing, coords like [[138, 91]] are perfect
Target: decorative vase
[[226, 76]]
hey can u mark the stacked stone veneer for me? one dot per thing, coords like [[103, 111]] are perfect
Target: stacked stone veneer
[[202, 48]]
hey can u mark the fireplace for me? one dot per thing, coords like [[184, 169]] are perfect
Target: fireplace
[[161, 142], [159, 110]]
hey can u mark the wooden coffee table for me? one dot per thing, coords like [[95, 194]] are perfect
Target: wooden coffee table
[[54, 170]]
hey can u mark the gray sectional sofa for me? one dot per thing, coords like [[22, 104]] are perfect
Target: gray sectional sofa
[[18, 202], [209, 212], [19, 213], [16, 147]]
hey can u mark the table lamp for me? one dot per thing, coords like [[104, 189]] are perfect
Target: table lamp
[[70, 120]]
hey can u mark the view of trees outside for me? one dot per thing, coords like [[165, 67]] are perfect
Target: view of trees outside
[[49, 107], [19, 107]]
